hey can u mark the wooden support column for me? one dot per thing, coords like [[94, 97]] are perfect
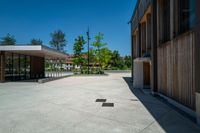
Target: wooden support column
[[137, 44], [143, 38], [172, 31], [132, 52], [154, 47], [134, 46], [139, 40], [2, 67], [158, 15], [37, 67], [197, 60], [148, 33]]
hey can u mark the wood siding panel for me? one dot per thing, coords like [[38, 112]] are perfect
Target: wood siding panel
[[146, 73], [176, 70], [37, 67]]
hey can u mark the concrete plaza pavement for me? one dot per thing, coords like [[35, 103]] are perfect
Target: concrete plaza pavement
[[68, 106]]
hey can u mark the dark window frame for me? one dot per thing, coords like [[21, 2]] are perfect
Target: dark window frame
[[21, 62], [166, 21], [186, 15]]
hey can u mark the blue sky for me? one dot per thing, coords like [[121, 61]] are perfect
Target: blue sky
[[27, 19]]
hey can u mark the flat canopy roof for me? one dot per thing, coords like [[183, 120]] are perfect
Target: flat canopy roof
[[38, 50]]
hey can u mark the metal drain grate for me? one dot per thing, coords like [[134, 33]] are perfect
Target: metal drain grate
[[101, 100], [108, 105], [134, 99]]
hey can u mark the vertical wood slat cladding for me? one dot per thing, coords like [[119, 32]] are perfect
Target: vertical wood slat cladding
[[37, 67], [175, 69], [146, 73], [134, 46], [143, 37]]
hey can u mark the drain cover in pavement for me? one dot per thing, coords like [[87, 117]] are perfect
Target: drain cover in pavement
[[100, 100], [108, 105], [134, 99]]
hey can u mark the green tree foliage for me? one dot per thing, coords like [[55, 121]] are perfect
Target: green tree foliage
[[36, 42], [100, 56], [92, 55], [8, 40], [116, 60], [78, 51], [58, 40], [106, 56], [120, 63], [127, 60], [98, 45]]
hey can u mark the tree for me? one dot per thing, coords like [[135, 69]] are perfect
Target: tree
[[8, 40], [98, 45], [106, 55], [98, 41], [79, 60], [36, 42], [117, 60], [127, 60], [58, 40], [92, 55]]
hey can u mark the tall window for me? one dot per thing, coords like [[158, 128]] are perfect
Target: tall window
[[28, 67], [8, 66], [186, 15], [16, 67], [22, 67], [166, 21]]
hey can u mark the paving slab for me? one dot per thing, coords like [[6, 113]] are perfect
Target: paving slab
[[69, 106]]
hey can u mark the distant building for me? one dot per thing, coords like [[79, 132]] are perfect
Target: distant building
[[69, 64], [167, 32]]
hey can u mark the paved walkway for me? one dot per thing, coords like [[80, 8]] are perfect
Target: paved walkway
[[68, 106]]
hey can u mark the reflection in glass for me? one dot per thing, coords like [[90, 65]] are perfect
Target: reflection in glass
[[17, 67], [28, 67], [8, 66], [187, 15], [22, 67], [192, 18]]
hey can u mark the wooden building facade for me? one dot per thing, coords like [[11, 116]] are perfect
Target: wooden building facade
[[168, 30]]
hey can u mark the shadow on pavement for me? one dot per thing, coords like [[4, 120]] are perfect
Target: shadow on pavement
[[167, 116]]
